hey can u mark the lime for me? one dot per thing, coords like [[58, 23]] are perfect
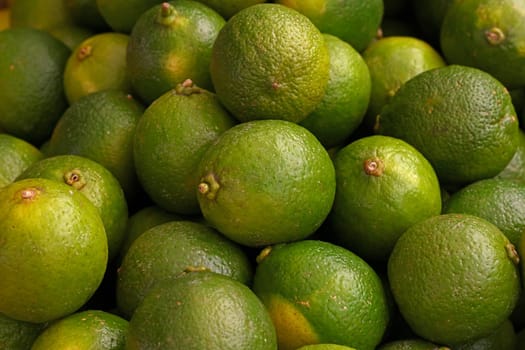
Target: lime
[[172, 42], [170, 138], [391, 62], [31, 83], [201, 310], [318, 292], [101, 126], [16, 335], [346, 97], [500, 201], [467, 133], [97, 63], [90, 329], [270, 62], [489, 35], [169, 250], [353, 21], [53, 263], [465, 283], [16, 155], [384, 186], [94, 181], [265, 182]]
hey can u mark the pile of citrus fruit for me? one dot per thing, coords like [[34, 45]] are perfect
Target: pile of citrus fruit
[[262, 175]]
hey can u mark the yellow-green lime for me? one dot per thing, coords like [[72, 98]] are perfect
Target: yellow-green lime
[[16, 335], [489, 35], [201, 310], [270, 62], [89, 329], [142, 220], [121, 15], [466, 274], [16, 155], [167, 251], [172, 42], [468, 132], [392, 61], [228, 8], [97, 63], [32, 97], [318, 292], [503, 338], [265, 182], [384, 186], [170, 139], [96, 182], [54, 262], [346, 96], [101, 126], [500, 201], [353, 21]]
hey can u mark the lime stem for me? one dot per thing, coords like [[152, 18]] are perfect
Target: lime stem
[[187, 87], [263, 254], [167, 14], [84, 52], [75, 179], [373, 166], [209, 186], [495, 36]]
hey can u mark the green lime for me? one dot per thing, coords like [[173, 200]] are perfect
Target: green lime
[[90, 329], [346, 97], [96, 182], [172, 42], [142, 220], [391, 62], [489, 35], [54, 262], [17, 335], [353, 21], [186, 119], [500, 201], [318, 292], [101, 126], [384, 186], [465, 282], [31, 81], [265, 182], [169, 250], [468, 133], [201, 310], [270, 62], [16, 155]]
